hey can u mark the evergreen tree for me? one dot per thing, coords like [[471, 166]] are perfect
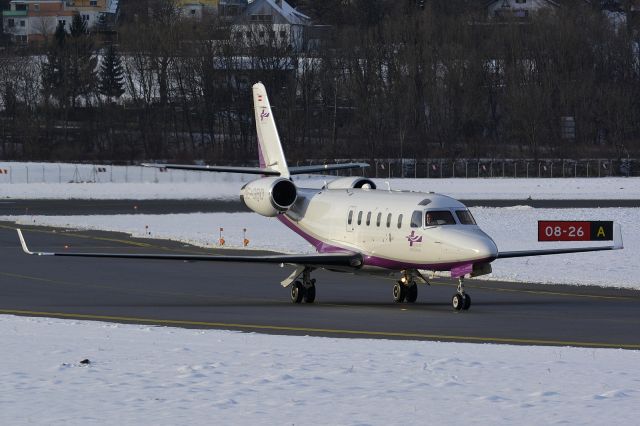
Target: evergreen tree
[[55, 69], [83, 62], [78, 26], [110, 76]]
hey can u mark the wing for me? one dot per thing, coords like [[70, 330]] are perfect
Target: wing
[[617, 245], [260, 171], [346, 260]]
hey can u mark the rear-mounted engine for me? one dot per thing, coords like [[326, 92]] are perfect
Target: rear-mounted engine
[[350, 183], [269, 196]]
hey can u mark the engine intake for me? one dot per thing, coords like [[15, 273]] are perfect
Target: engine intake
[[269, 196]]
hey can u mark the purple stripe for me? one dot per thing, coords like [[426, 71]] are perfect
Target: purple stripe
[[375, 261], [382, 262]]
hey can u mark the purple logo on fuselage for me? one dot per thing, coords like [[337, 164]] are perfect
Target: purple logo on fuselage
[[413, 238], [264, 114]]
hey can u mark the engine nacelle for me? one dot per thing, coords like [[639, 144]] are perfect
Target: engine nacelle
[[351, 182], [269, 196]]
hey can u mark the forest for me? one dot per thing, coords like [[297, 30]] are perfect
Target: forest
[[378, 79]]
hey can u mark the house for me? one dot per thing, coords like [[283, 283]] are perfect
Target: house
[[507, 10], [35, 20], [197, 9], [271, 23]]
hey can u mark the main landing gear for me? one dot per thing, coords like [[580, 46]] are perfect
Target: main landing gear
[[461, 300], [304, 290], [405, 289]]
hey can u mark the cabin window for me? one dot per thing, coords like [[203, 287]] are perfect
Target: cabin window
[[399, 221], [379, 219], [350, 219], [368, 218], [416, 219], [440, 217], [389, 220], [360, 218], [465, 217]]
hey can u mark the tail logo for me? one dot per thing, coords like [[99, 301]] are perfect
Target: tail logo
[[264, 114], [413, 238]]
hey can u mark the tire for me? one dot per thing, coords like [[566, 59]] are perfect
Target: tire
[[310, 294], [399, 292], [457, 302], [412, 293], [297, 292], [467, 302]]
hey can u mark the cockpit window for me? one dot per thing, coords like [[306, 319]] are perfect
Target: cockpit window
[[416, 219], [465, 217], [439, 217]]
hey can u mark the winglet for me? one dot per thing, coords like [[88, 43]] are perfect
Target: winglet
[[617, 236], [23, 242]]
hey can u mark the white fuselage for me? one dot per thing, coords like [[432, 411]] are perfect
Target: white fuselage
[[390, 229]]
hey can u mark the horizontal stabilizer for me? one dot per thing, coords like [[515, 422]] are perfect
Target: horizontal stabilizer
[[325, 168], [260, 171], [227, 169], [343, 260]]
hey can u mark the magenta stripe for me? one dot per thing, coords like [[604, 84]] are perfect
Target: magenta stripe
[[374, 261]]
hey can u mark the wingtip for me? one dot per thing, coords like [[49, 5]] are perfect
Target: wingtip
[[23, 243], [618, 244]]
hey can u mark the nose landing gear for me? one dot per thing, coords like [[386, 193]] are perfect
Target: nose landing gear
[[461, 300]]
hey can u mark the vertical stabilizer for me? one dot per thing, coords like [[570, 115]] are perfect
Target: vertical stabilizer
[[269, 148]]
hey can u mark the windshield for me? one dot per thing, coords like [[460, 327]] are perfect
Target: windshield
[[439, 217], [465, 217]]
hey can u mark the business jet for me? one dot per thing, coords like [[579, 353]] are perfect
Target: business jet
[[354, 226]]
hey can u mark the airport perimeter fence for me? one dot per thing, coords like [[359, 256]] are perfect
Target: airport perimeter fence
[[381, 168], [510, 168]]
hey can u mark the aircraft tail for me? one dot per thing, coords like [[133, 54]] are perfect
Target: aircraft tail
[[270, 151]]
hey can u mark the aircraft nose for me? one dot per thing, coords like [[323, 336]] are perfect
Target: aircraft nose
[[483, 247]]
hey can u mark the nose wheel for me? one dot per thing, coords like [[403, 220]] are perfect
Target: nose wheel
[[461, 301]]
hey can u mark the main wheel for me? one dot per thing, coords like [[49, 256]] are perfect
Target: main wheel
[[297, 292], [310, 293], [457, 302], [399, 292], [467, 302], [412, 293]]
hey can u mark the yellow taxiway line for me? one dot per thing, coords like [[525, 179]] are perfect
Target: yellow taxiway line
[[343, 332]]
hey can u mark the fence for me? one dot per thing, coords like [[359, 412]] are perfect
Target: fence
[[510, 168], [91, 173], [380, 168]]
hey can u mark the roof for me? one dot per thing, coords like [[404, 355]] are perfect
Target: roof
[[282, 8]]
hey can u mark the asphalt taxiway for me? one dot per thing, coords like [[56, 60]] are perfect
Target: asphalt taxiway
[[248, 297]]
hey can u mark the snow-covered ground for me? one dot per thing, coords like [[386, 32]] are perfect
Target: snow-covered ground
[[512, 228], [140, 375]]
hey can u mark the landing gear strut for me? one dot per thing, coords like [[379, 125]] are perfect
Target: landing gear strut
[[461, 300], [305, 289], [405, 289]]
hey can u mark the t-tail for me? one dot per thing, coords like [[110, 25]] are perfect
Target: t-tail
[[270, 153]]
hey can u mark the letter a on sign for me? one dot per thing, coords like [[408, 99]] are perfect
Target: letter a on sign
[[601, 233]]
